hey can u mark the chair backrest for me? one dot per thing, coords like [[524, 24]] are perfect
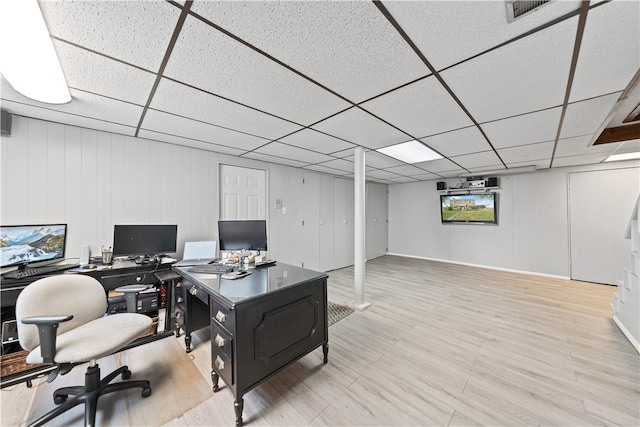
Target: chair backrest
[[82, 296]]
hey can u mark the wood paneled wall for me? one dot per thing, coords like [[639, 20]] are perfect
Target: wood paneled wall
[[91, 180]]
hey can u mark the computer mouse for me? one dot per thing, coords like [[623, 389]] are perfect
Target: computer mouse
[[88, 266], [235, 274]]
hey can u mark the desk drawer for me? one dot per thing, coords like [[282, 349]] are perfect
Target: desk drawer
[[223, 316], [195, 291], [222, 340], [222, 364]]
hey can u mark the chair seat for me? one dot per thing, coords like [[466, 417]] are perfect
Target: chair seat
[[96, 339]]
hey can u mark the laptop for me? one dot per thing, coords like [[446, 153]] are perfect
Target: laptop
[[198, 253]]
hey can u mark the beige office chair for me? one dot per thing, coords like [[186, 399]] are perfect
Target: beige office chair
[[61, 321]]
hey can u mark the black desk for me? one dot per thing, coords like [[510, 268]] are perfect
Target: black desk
[[259, 324]]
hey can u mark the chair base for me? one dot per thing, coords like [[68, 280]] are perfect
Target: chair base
[[88, 394]]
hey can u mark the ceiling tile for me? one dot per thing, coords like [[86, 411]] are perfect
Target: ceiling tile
[[316, 141], [381, 174], [179, 126], [361, 128], [449, 174], [90, 72], [525, 129], [402, 180], [420, 109], [579, 146], [376, 160], [349, 47], [586, 159], [440, 165], [173, 139], [207, 59], [527, 153], [611, 36], [461, 141], [538, 164], [626, 106], [427, 177], [43, 113], [407, 170], [632, 146], [324, 169], [82, 104], [272, 159], [585, 117], [185, 101], [447, 32], [485, 160], [340, 164], [290, 152], [527, 75], [137, 32]]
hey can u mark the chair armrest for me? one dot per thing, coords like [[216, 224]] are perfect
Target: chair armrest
[[47, 333], [131, 295]]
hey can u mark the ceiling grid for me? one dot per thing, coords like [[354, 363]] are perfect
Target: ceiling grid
[[304, 83]]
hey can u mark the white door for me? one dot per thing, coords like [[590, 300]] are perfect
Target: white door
[[326, 254], [600, 204], [343, 232], [242, 193], [376, 232]]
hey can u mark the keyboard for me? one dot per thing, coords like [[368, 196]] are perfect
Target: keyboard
[[212, 268], [37, 271]]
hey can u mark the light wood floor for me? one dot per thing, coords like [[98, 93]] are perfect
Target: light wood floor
[[444, 345]]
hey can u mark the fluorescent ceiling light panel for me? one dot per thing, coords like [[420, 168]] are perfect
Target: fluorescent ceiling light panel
[[29, 61], [410, 152], [625, 156]]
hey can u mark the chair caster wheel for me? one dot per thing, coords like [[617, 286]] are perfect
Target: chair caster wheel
[[59, 398], [126, 374], [146, 392]]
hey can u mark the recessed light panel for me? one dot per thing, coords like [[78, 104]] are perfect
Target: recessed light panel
[[624, 156], [410, 152]]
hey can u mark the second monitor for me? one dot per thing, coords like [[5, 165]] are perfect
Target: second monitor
[[238, 235]]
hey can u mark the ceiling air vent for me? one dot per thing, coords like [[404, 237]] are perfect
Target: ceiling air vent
[[519, 8]]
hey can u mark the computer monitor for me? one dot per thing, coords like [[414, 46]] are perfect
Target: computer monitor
[[144, 239], [250, 235], [26, 244]]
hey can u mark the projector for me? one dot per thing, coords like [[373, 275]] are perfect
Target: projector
[[473, 184]]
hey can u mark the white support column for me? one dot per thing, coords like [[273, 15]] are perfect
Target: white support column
[[359, 226]]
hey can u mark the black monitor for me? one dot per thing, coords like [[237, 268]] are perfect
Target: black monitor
[[144, 239], [26, 244], [250, 235]]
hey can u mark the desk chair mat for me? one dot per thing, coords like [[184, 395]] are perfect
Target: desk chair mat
[[177, 385]]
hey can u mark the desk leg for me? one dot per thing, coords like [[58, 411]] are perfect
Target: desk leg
[[238, 405], [215, 378], [325, 351], [187, 342]]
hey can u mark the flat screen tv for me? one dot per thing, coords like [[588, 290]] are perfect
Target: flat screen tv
[[479, 208], [26, 244], [144, 239], [249, 235]]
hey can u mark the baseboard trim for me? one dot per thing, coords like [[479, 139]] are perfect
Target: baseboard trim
[[627, 334], [532, 273]]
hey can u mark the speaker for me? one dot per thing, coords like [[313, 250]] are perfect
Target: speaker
[[85, 254], [440, 185], [5, 122], [492, 181]]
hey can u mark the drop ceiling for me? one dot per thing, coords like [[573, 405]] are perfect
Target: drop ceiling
[[304, 83]]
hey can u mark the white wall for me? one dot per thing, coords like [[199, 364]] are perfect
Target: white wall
[[532, 234], [91, 180]]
